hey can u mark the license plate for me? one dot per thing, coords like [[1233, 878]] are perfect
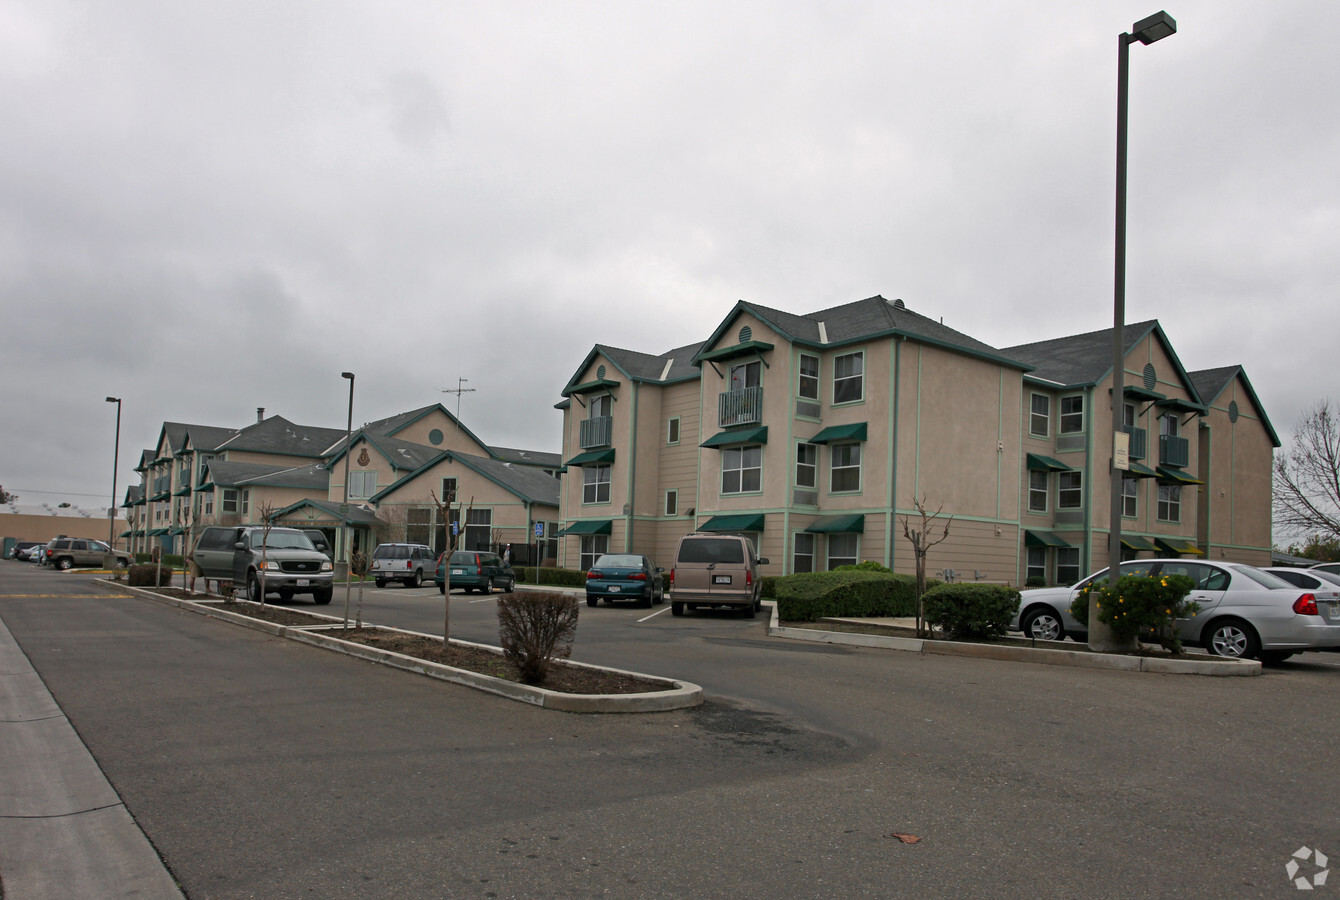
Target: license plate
[[303, 582], [721, 579], [613, 589], [458, 571]]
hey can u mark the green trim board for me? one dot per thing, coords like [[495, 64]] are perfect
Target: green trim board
[[854, 524], [1181, 405], [745, 348], [588, 526], [592, 457], [591, 387], [853, 432], [745, 522], [739, 436], [1044, 539], [1037, 461]]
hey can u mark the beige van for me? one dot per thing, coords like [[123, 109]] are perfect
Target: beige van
[[717, 570]]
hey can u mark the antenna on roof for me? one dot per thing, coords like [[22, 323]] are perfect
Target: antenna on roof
[[458, 390]]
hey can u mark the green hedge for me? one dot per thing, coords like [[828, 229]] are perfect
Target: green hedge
[[971, 610], [810, 596], [554, 576], [142, 575]]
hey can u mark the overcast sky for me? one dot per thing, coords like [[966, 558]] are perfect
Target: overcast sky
[[211, 207]]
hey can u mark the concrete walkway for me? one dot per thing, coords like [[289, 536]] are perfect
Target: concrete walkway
[[64, 833]]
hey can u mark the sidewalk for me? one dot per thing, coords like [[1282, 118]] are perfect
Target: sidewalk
[[64, 833]]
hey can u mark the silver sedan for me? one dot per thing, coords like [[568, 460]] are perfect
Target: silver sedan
[[1244, 612]]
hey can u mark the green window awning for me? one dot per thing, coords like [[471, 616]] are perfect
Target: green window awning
[[156, 497], [1140, 392], [182, 491], [156, 532], [1038, 461], [592, 458], [176, 529], [588, 387], [1177, 476], [589, 526], [1043, 539], [127, 534], [207, 486], [738, 436], [745, 348], [839, 525], [853, 432], [1136, 470], [1181, 405], [746, 522], [1135, 542], [1178, 546]]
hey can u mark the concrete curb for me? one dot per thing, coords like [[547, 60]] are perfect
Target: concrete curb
[[1040, 655], [683, 695]]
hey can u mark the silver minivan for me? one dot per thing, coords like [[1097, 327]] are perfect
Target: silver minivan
[[718, 571]]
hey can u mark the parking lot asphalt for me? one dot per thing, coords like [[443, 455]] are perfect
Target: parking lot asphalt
[[259, 768]]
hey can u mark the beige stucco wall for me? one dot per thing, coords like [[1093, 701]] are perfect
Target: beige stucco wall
[[1236, 501], [453, 436]]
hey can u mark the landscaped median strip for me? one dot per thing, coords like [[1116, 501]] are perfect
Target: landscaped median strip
[[683, 695], [1043, 655]]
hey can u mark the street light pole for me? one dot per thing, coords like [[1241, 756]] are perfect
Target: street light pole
[[344, 507], [1146, 31], [111, 510]]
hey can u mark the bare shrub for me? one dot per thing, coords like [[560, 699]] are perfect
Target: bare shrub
[[535, 629], [148, 575]]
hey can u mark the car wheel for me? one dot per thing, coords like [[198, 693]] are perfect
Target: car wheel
[[645, 602], [123, 563], [1042, 624], [254, 588], [442, 589], [592, 600], [676, 608], [511, 585], [488, 587], [64, 563], [380, 582], [749, 610], [1275, 657], [321, 598], [1232, 638], [415, 580]]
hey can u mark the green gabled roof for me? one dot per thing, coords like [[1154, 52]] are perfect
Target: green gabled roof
[[1210, 383]]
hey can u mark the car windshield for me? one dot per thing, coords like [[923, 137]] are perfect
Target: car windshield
[[618, 560], [711, 550], [287, 540], [1265, 579]]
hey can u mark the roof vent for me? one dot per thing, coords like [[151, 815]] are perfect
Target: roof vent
[[260, 414], [899, 304], [746, 334], [1151, 377], [600, 373]]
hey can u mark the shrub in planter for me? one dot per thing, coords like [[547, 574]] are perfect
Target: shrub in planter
[[1140, 606], [971, 610], [810, 596], [551, 575], [867, 565], [142, 575], [534, 629], [1035, 581]]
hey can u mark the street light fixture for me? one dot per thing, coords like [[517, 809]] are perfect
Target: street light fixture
[[344, 506], [1146, 31], [110, 559]]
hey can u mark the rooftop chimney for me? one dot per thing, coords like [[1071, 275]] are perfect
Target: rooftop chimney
[[260, 414]]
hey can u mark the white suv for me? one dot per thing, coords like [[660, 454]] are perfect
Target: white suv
[[407, 563]]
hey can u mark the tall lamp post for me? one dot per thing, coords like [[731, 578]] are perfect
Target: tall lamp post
[[344, 506], [1146, 31], [110, 560]]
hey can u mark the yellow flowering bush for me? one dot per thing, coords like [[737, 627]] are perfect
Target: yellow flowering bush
[[1143, 606]]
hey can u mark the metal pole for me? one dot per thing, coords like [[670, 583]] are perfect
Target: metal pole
[[116, 462], [344, 507]]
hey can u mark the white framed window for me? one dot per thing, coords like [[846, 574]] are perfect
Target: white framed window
[[808, 386], [1128, 415], [672, 430], [1130, 497], [230, 500], [1170, 503], [1040, 415], [1168, 425], [246, 501], [1072, 414], [741, 469], [478, 529], [746, 375], [601, 405], [1067, 565], [1037, 490], [1036, 566], [594, 546], [843, 550], [672, 503], [845, 465], [448, 495], [1070, 490], [802, 559], [849, 377], [807, 465], [362, 485], [209, 503], [596, 484]]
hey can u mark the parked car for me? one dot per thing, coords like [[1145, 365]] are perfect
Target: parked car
[[405, 563], [715, 570], [624, 576], [70, 553], [292, 565], [318, 539], [1333, 568], [1244, 611], [474, 570], [1326, 585], [24, 549]]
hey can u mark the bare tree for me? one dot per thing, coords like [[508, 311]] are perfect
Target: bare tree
[[395, 519], [444, 512], [1307, 479], [267, 512], [360, 564], [922, 540]]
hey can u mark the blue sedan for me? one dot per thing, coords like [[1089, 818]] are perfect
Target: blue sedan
[[624, 576]]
